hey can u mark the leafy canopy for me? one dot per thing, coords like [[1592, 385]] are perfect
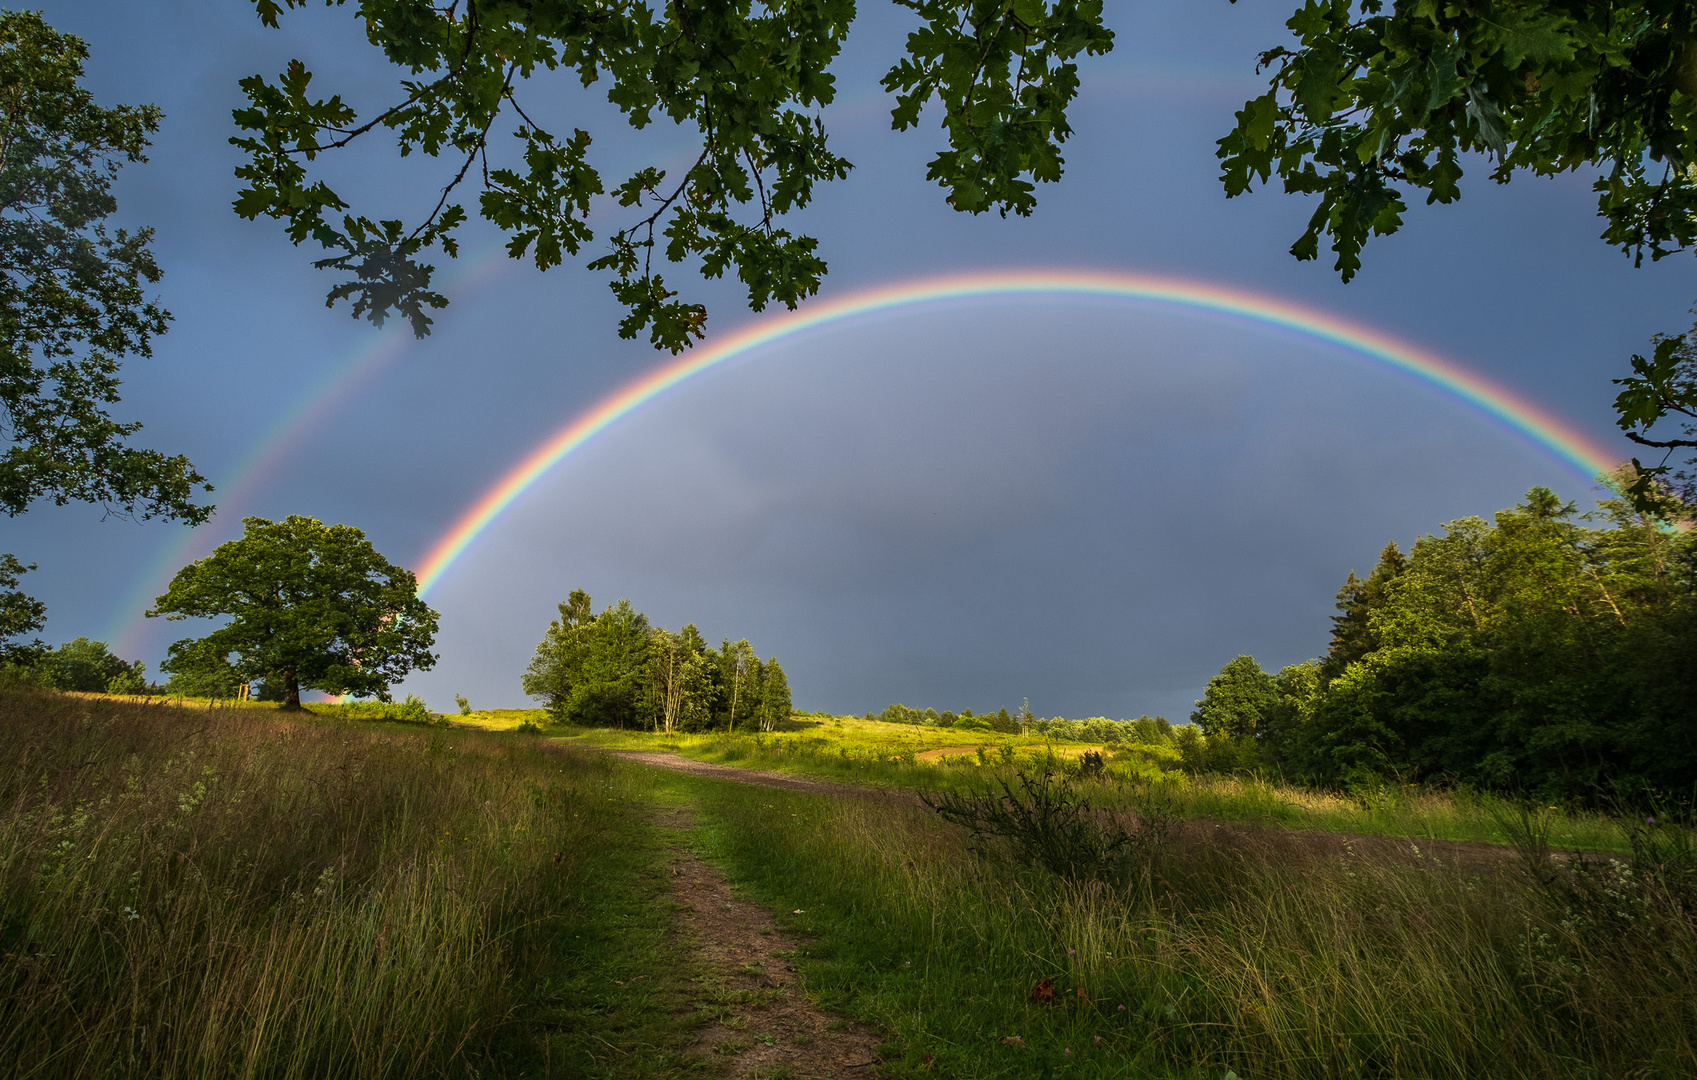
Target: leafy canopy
[[1662, 386], [1376, 100], [1529, 651], [20, 613], [72, 295], [310, 605], [747, 79], [1237, 701]]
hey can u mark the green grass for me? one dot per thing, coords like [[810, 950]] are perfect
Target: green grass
[[1246, 952], [876, 754], [250, 893]]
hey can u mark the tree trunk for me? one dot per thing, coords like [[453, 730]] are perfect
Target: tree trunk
[[291, 690]]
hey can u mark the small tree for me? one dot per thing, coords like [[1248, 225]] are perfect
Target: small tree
[[310, 605], [1237, 701], [775, 702]]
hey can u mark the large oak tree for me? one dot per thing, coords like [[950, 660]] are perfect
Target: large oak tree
[[310, 605]]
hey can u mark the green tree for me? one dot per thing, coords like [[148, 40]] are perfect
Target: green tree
[[775, 703], [737, 664], [1352, 631], [1528, 651], [73, 297], [1373, 102], [557, 664], [90, 668], [1662, 386], [1236, 702], [613, 679], [19, 614], [310, 605], [205, 676], [749, 80], [678, 670]]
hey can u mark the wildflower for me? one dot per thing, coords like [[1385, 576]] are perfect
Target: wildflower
[[1122, 1008], [1067, 1051], [1096, 1040], [1651, 820], [1072, 952]]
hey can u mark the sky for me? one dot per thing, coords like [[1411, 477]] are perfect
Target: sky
[[1087, 502]]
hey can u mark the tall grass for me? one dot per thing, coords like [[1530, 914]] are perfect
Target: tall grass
[[1264, 953], [244, 894]]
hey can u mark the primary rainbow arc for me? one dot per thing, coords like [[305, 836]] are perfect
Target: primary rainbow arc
[[1566, 442]]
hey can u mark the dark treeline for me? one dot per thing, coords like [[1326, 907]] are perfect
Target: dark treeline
[[1544, 651], [1095, 729], [616, 669]]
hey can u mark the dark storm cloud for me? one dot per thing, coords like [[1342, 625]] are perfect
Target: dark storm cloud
[[1092, 506], [1087, 505]]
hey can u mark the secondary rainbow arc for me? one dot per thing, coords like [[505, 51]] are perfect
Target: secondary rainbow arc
[[1572, 446]]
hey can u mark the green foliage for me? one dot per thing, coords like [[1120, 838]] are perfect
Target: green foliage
[[749, 80], [310, 605], [201, 675], [1043, 819], [1529, 652], [1238, 701], [19, 614], [558, 663], [774, 705], [1372, 102], [1659, 387], [463, 705], [90, 668], [411, 710], [618, 670], [72, 295]]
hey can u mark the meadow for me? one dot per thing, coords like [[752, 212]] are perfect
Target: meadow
[[243, 892], [237, 892]]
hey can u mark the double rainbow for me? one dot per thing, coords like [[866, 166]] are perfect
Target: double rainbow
[[1572, 446]]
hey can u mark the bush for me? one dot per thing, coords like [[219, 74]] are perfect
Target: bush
[[1044, 820]]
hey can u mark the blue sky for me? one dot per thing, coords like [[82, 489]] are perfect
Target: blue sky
[[1088, 504]]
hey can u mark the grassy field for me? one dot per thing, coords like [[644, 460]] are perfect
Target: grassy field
[[870, 753], [1234, 953], [236, 891]]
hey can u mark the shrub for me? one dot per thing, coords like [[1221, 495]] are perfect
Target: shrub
[[1043, 819]]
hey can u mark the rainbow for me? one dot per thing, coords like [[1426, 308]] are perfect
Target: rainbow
[[1566, 442]]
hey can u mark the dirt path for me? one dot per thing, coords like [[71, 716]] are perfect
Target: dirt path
[[760, 1022]]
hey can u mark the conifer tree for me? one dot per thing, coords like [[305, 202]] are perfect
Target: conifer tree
[[1352, 631]]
